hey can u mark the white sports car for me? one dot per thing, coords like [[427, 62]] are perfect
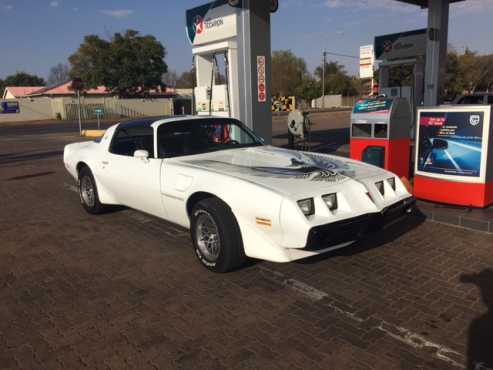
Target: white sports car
[[239, 197]]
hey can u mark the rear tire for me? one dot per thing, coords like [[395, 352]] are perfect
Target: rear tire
[[88, 193], [216, 236]]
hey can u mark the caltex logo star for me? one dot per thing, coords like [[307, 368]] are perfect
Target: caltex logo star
[[199, 25], [388, 46]]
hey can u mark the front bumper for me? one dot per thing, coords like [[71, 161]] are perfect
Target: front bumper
[[349, 230]]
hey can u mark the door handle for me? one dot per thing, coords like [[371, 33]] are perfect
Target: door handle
[[105, 163]]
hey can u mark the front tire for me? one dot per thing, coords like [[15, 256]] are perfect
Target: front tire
[[88, 193], [216, 236]]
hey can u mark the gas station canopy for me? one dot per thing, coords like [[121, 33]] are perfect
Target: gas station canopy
[[423, 3]]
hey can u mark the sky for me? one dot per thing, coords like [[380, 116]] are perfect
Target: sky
[[38, 34]]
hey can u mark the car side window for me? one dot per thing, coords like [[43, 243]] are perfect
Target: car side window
[[129, 139]]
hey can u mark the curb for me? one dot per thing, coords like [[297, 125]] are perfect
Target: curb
[[92, 133]]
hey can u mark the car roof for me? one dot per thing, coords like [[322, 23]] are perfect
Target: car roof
[[184, 118], [159, 120]]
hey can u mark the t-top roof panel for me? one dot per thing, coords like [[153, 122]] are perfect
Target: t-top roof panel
[[423, 3]]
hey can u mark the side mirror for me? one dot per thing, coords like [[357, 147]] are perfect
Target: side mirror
[[440, 144], [141, 154]]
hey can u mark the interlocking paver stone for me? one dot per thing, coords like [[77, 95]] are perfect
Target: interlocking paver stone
[[124, 290]]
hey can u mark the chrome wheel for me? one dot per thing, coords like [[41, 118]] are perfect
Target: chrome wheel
[[87, 193], [207, 236]]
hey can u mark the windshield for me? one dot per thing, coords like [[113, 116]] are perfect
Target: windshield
[[203, 136]]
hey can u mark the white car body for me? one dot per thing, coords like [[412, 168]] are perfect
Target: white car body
[[261, 186]]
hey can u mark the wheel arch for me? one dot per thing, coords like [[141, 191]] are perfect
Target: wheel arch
[[199, 196], [80, 166], [105, 195]]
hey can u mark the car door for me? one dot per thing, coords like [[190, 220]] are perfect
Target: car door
[[135, 181]]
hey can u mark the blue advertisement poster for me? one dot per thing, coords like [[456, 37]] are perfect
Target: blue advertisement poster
[[450, 143], [9, 107], [373, 106]]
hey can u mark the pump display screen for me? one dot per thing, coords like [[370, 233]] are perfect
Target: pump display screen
[[450, 143], [373, 106]]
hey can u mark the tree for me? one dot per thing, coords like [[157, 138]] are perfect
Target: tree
[[128, 64], [288, 73], [468, 72], [337, 80], [187, 80], [309, 89], [21, 79], [59, 74], [24, 79]]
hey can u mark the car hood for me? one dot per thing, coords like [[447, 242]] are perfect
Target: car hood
[[283, 170]]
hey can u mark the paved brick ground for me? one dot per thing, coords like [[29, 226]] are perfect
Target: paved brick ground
[[123, 290]]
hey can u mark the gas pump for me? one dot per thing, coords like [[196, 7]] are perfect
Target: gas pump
[[380, 133], [212, 98], [238, 33]]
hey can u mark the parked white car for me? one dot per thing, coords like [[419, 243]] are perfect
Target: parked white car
[[238, 197]]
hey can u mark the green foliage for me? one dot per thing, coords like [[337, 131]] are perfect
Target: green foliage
[[24, 79], [21, 79], [128, 64], [187, 80], [402, 75], [288, 73], [309, 89], [468, 72], [337, 80], [291, 78]]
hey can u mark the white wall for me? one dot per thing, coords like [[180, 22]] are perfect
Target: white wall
[[36, 109], [330, 101]]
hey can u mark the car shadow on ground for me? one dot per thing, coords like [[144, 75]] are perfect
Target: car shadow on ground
[[373, 239], [480, 335]]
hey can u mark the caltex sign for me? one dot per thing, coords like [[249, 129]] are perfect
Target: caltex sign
[[211, 22], [403, 45], [366, 61]]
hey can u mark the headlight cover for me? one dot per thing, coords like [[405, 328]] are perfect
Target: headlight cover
[[331, 201], [307, 206]]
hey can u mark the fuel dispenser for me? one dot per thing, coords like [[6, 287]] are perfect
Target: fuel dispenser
[[380, 133], [236, 34], [454, 155]]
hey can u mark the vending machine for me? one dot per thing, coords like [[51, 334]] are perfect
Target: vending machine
[[380, 133], [454, 158]]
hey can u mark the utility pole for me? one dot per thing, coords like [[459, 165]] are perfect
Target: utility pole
[[78, 86], [78, 112], [323, 78]]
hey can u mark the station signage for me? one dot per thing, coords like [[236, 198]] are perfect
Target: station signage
[[8, 107], [403, 45], [382, 106], [366, 61], [261, 82], [211, 22]]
